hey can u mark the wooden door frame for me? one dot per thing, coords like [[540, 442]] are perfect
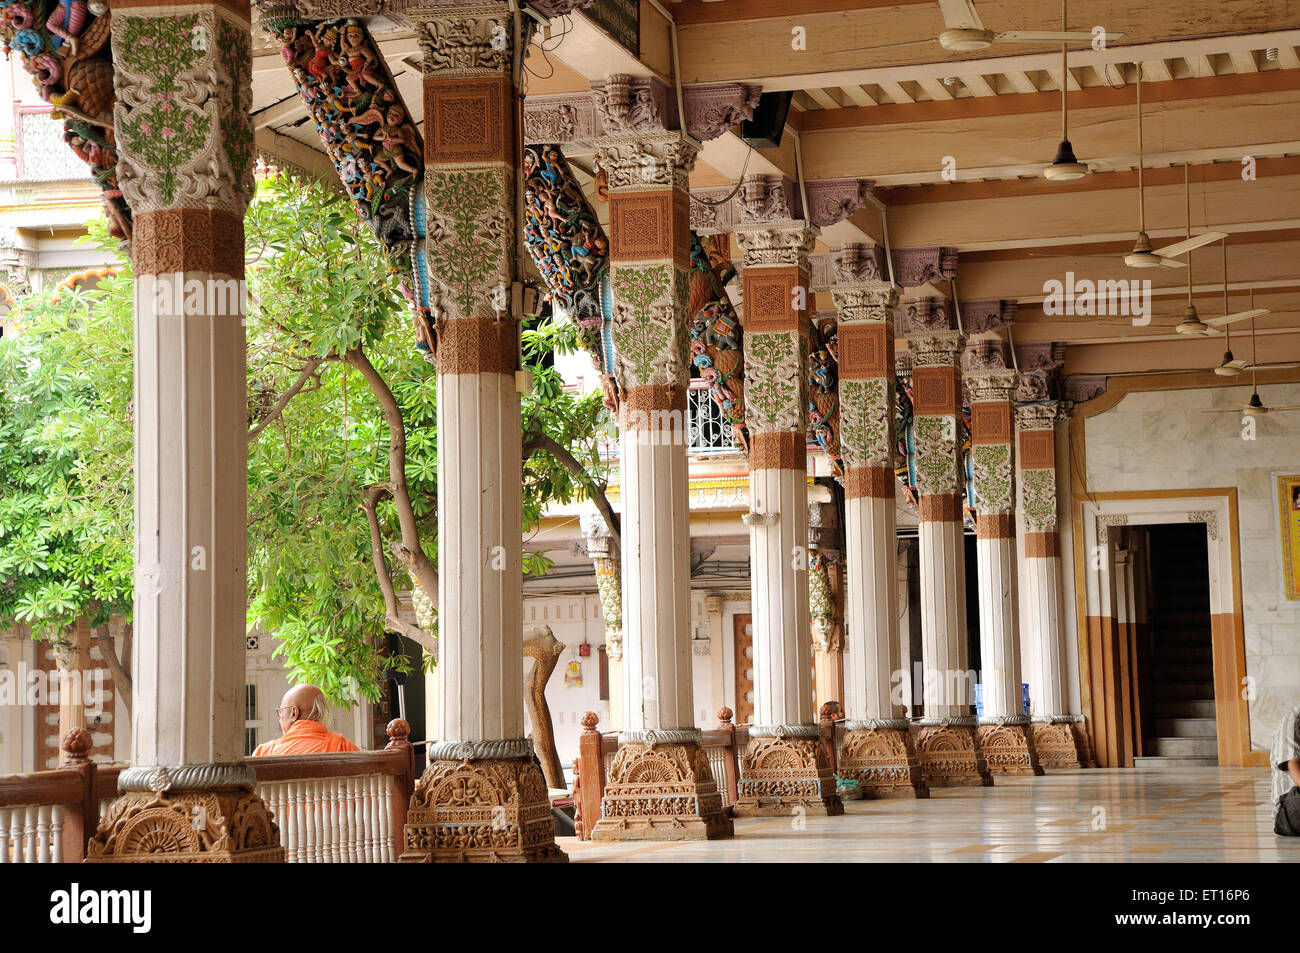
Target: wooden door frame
[[1216, 507]]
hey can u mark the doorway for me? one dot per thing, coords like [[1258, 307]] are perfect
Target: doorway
[[1175, 662]]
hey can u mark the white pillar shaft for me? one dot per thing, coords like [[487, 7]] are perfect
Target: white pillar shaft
[[1040, 619], [873, 654], [779, 586], [480, 578], [999, 643], [656, 581], [190, 562], [943, 619]]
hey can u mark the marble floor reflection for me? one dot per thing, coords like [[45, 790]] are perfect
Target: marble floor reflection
[[1104, 815]]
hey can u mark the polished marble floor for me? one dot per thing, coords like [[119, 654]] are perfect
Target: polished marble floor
[[1104, 815]]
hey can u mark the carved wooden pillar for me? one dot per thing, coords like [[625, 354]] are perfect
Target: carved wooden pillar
[[784, 765], [878, 751], [826, 602], [1004, 733], [609, 586], [482, 796], [945, 741], [185, 143], [660, 786], [1041, 601]]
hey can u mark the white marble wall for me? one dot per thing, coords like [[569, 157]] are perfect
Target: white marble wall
[[1161, 440]]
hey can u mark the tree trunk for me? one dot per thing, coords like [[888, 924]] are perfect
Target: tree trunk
[[545, 650]]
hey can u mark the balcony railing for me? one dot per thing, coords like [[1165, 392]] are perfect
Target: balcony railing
[[709, 431], [329, 808]]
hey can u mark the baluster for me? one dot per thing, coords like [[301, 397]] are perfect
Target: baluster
[[321, 788], [43, 834], [299, 811], [29, 834], [56, 833], [385, 806], [368, 806], [5, 817], [354, 821], [312, 817], [337, 787]]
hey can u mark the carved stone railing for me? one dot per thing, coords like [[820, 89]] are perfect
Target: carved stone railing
[[330, 808]]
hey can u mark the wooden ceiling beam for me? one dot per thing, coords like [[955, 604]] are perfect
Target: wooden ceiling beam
[[839, 43], [1006, 146]]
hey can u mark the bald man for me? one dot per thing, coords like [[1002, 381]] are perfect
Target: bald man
[[302, 715]]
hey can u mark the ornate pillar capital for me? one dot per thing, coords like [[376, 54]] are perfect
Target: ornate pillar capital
[[647, 161], [992, 385], [935, 348], [923, 315], [633, 105], [1038, 416], [776, 243], [980, 317], [713, 108], [914, 267], [463, 39]]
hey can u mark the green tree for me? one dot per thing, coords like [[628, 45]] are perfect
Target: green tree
[[342, 446], [65, 466]]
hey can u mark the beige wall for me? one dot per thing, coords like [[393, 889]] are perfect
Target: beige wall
[[1161, 440]]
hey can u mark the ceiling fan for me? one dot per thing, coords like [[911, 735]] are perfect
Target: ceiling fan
[[1191, 324], [1231, 367], [1253, 407], [965, 32], [1142, 255]]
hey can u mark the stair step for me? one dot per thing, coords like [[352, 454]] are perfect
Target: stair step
[[1183, 653], [1185, 708], [1186, 727], [1169, 691], [1183, 747], [1153, 761], [1183, 672]]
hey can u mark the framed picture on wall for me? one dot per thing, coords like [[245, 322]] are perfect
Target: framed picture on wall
[[1288, 507]]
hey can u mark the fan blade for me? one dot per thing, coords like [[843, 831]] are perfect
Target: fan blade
[[1269, 367], [1225, 410], [1273, 410], [1170, 262], [960, 15], [1234, 318], [886, 46], [1044, 36], [1189, 244]]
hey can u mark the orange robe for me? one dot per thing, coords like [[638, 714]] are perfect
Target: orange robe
[[305, 737]]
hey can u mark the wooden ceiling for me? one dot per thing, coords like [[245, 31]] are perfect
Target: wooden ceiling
[[1220, 82]]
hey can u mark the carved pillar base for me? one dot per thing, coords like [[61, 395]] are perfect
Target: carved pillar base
[[491, 809], [780, 775], [1057, 746], [950, 756], [198, 814], [661, 792], [883, 761], [1009, 749]]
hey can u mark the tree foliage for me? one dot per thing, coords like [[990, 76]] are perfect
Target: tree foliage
[[342, 451]]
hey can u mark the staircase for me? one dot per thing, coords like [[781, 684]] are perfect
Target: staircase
[[1182, 671]]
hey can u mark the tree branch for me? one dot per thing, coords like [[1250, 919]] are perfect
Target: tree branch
[[121, 677], [540, 441], [391, 619], [410, 551], [309, 372]]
